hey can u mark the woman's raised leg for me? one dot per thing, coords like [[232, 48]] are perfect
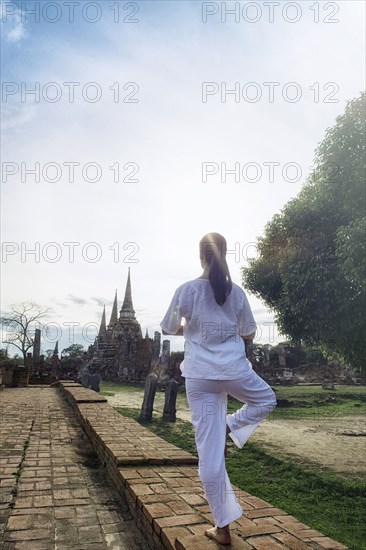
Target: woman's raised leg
[[259, 401]]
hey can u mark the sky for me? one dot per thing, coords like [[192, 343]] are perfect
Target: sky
[[131, 129]]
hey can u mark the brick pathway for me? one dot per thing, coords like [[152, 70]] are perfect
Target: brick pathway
[[161, 485], [60, 497]]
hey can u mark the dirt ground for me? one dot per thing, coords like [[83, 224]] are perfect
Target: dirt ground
[[337, 443]]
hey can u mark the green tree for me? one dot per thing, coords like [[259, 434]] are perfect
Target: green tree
[[310, 268], [72, 357], [75, 350]]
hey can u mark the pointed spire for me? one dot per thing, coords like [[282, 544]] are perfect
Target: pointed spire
[[114, 314], [55, 351], [147, 334], [127, 311], [103, 327]]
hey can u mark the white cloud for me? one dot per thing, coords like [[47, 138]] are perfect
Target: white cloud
[[17, 32], [13, 28], [14, 116]]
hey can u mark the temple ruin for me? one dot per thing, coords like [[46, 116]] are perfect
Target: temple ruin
[[120, 352]]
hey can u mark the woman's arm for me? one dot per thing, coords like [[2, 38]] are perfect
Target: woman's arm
[[249, 336], [178, 333]]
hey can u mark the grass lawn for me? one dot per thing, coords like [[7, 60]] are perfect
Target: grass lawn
[[111, 388], [326, 501], [313, 401]]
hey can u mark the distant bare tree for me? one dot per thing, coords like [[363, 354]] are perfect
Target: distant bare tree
[[19, 321]]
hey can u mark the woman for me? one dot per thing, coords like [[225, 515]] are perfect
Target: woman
[[218, 320]]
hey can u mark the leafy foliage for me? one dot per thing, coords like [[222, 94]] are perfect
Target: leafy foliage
[[310, 268], [75, 350], [72, 357]]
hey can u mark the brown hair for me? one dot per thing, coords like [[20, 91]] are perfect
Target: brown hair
[[213, 253]]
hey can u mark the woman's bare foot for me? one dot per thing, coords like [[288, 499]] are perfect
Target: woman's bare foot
[[219, 534]]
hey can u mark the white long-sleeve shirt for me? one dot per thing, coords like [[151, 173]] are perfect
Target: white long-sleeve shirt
[[213, 349]]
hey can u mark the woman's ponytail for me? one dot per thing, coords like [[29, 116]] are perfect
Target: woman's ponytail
[[213, 253]]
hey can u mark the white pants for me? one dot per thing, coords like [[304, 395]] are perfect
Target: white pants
[[208, 404]]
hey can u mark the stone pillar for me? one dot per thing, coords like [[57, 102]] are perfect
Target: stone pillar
[[156, 348], [149, 396], [95, 381], [166, 348], [164, 362], [281, 355], [169, 412], [36, 350], [85, 377], [55, 362]]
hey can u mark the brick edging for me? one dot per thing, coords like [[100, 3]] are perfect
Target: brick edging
[[161, 486]]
